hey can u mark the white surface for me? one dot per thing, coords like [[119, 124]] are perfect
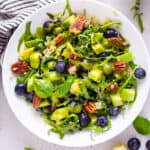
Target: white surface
[[13, 136]]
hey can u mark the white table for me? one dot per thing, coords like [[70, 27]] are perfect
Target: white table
[[13, 136]]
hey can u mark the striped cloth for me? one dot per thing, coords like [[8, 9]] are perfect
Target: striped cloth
[[12, 13]]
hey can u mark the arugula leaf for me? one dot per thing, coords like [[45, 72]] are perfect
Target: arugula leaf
[[140, 23], [42, 88], [33, 43], [24, 78], [39, 33], [68, 8], [21, 39], [110, 24], [51, 16], [27, 34], [138, 15], [142, 125], [64, 88], [66, 125]]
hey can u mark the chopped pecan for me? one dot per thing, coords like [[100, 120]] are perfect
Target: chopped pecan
[[90, 107], [78, 24], [116, 42], [59, 39], [74, 57], [112, 87], [70, 64], [20, 67], [36, 101], [53, 107], [120, 66]]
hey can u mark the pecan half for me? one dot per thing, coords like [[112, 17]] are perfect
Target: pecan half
[[116, 42], [78, 24], [112, 87], [90, 107], [120, 66], [36, 101], [20, 67]]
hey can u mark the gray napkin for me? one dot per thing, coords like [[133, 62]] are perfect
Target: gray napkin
[[12, 13]]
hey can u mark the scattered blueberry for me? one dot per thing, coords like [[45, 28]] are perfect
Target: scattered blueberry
[[104, 54], [102, 121], [30, 96], [84, 119], [47, 23], [134, 144], [61, 66], [110, 33], [148, 145], [20, 89], [114, 111], [139, 73]]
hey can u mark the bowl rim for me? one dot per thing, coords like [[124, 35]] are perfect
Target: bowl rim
[[52, 5]]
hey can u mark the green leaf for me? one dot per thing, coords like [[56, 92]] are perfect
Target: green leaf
[[110, 24], [24, 78], [39, 33], [142, 125], [68, 124], [27, 34], [140, 23], [42, 88], [64, 88], [28, 148], [21, 39], [33, 43], [68, 8], [51, 16], [138, 15]]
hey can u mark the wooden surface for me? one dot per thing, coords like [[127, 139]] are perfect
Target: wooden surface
[[13, 136]]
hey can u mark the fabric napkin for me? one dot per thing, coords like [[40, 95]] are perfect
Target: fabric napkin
[[12, 13]]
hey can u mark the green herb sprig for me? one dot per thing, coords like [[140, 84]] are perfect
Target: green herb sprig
[[28, 148], [138, 14]]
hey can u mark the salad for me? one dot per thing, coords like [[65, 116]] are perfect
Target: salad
[[77, 72]]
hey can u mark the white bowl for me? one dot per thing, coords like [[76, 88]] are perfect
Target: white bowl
[[31, 119]]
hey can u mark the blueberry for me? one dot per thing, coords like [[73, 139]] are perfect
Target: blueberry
[[84, 119], [20, 89], [134, 144], [104, 54], [47, 23], [110, 32], [114, 111], [61, 66], [139, 73], [148, 145], [102, 121], [30, 96]]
